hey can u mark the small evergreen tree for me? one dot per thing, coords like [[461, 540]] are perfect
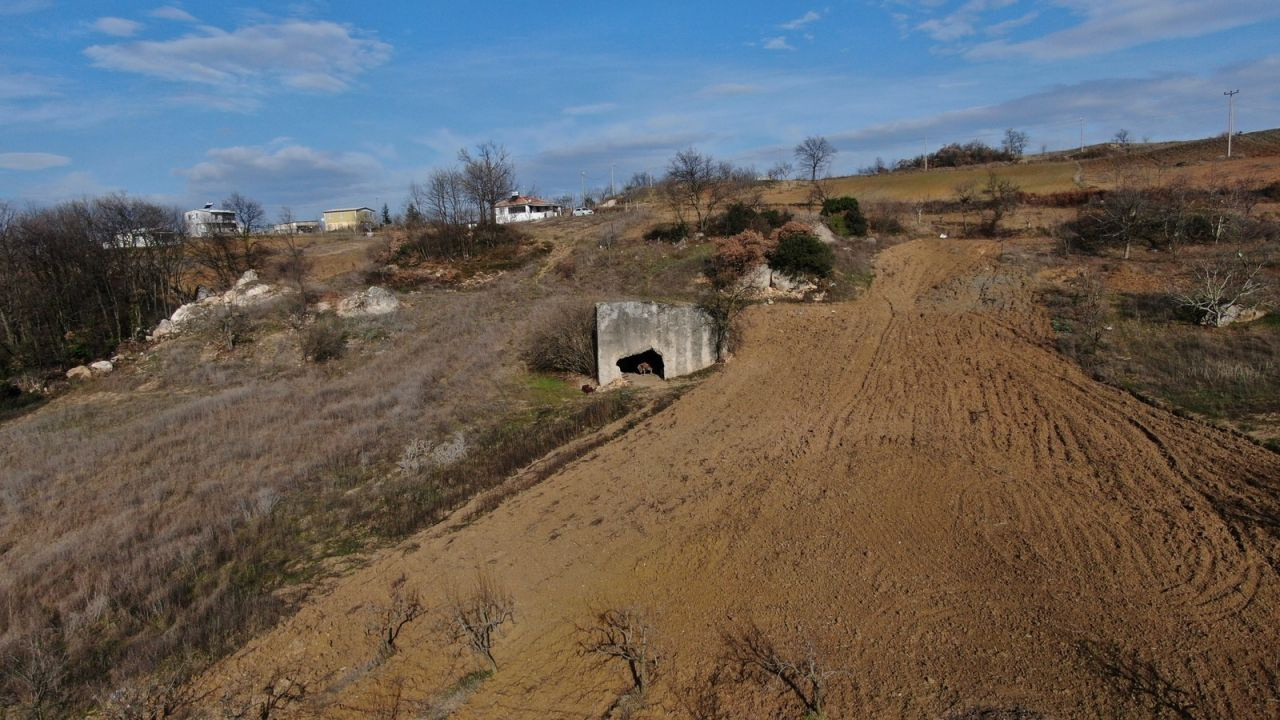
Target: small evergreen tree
[[386, 214], [802, 255], [849, 213]]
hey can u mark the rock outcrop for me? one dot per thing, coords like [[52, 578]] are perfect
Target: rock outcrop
[[374, 301]]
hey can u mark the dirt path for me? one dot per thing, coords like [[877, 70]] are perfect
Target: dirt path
[[914, 484]]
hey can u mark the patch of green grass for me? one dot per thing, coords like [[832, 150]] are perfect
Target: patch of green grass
[[550, 390]]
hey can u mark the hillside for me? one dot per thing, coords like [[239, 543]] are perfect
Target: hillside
[[1254, 155], [950, 514]]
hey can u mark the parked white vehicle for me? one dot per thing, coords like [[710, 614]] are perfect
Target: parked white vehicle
[[579, 212]]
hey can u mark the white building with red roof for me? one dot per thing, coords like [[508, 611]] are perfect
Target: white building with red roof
[[524, 208]]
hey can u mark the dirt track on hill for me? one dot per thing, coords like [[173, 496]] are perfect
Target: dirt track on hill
[[915, 484]]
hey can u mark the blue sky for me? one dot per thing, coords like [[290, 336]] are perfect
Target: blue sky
[[325, 104]]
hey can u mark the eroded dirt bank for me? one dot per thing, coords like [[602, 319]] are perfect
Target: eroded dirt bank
[[954, 515]]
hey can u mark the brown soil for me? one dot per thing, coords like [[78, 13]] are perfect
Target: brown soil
[[955, 517]]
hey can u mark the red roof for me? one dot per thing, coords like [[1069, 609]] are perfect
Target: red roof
[[526, 200]]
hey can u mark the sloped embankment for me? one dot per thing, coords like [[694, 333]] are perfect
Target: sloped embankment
[[954, 516]]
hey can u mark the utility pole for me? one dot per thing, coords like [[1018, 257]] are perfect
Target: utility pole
[[1081, 134], [584, 189], [926, 155], [611, 190], [1231, 117]]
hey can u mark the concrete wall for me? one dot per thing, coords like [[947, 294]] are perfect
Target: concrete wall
[[682, 334]]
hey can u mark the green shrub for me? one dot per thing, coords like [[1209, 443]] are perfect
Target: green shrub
[[739, 218], [844, 216], [325, 339], [802, 255]]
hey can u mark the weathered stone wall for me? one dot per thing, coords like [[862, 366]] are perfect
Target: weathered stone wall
[[683, 335]]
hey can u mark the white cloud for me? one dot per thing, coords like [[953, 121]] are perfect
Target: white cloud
[[777, 43], [1093, 26], [594, 109], [22, 85], [725, 89], [32, 161], [118, 27], [170, 12], [22, 7], [294, 174], [805, 19], [317, 56]]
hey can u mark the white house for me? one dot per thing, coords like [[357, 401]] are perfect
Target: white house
[[209, 221], [521, 208]]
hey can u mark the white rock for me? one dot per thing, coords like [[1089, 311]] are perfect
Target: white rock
[[248, 278], [79, 372], [164, 329], [102, 367], [374, 301]]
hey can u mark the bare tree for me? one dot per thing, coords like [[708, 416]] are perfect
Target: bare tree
[[37, 673], [444, 197], [628, 636], [249, 212], [476, 618], [163, 695], [967, 197], [488, 177], [780, 170], [404, 606], [1122, 138], [814, 154], [803, 672], [295, 264], [278, 692], [1221, 290], [1015, 142], [1001, 195], [690, 178]]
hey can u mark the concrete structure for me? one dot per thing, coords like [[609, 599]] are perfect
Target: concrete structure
[[209, 220], [521, 208], [296, 227], [674, 340], [360, 218]]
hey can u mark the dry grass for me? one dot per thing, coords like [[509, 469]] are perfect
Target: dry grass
[[184, 501]]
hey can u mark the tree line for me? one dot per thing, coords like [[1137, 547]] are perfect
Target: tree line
[[84, 276]]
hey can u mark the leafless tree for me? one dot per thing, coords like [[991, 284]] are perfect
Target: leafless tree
[[628, 636], [388, 620], [249, 212], [1014, 143], [444, 197], [488, 177], [780, 170], [1122, 138], [163, 695], [295, 264], [278, 692], [690, 183], [1219, 291], [803, 672], [476, 618], [814, 155], [1001, 195], [36, 673], [967, 197]]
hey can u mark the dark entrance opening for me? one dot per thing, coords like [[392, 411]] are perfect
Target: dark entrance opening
[[631, 363]]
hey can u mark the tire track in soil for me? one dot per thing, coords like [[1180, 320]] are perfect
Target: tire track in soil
[[958, 516]]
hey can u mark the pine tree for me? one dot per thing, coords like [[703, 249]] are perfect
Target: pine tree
[[386, 214]]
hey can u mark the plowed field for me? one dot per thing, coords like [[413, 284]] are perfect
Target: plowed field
[[913, 485]]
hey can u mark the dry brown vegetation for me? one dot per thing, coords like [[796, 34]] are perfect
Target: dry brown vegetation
[[157, 518], [212, 482]]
